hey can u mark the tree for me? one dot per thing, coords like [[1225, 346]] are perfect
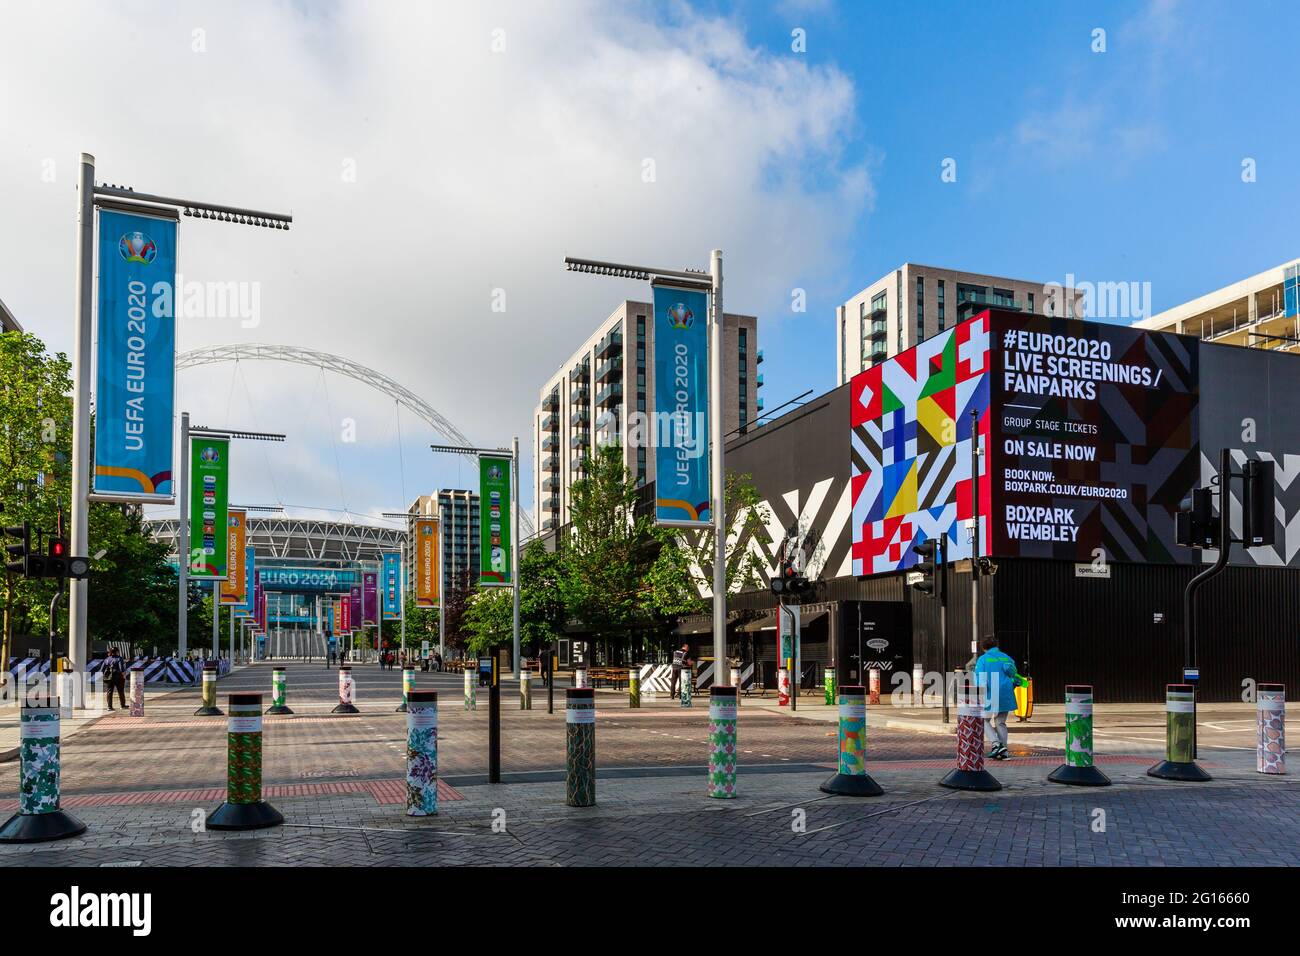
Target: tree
[[459, 592], [489, 617], [133, 597]]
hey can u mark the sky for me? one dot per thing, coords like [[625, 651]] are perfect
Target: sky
[[441, 159]]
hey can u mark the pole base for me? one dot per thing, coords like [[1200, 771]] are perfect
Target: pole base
[[401, 708], [1189, 772], [279, 710], [1079, 776], [345, 709], [970, 780], [244, 816], [852, 785], [40, 827], [209, 712]]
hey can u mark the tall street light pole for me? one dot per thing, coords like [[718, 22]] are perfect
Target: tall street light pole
[[717, 483]]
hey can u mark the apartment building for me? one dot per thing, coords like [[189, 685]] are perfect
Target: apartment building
[[1262, 311], [914, 302], [587, 402], [457, 511]]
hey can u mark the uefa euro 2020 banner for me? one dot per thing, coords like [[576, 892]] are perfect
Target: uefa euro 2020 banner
[[370, 597], [232, 589], [250, 578], [136, 375], [426, 562], [495, 533], [392, 585], [209, 500], [681, 422]]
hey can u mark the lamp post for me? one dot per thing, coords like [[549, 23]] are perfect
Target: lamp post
[[717, 477], [88, 196]]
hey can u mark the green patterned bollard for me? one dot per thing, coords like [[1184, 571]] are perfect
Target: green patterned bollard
[[244, 808], [209, 708], [1180, 737], [852, 780], [828, 685], [580, 747], [279, 692], [633, 688], [723, 755], [408, 685], [688, 675], [39, 817], [421, 753], [1078, 768], [525, 689]]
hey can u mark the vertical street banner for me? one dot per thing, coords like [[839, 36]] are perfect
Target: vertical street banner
[[259, 604], [232, 589], [370, 597], [245, 607], [209, 498], [345, 616], [392, 585], [426, 562], [355, 620], [135, 379], [680, 434], [495, 533]]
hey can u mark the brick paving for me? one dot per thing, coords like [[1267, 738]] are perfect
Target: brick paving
[[138, 785]]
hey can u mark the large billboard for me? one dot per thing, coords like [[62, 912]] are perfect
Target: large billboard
[[681, 388], [135, 372], [209, 500], [495, 533]]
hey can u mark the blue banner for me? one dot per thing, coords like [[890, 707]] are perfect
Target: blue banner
[[680, 432], [136, 374], [392, 585]]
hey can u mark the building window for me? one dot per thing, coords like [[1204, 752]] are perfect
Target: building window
[[920, 308], [941, 317], [744, 375], [898, 304], [1031, 302]]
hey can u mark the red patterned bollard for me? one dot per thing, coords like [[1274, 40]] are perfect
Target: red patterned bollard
[[970, 773]]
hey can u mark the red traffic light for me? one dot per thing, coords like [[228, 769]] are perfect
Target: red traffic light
[[58, 548]]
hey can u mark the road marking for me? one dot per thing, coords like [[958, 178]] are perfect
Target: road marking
[[901, 806], [786, 806]]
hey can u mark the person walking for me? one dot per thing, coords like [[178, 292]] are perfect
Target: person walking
[[114, 676], [679, 662], [997, 677]]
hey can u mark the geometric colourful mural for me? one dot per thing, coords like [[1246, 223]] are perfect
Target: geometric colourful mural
[[911, 452]]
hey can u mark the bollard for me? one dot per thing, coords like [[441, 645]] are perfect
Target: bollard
[[39, 818], [874, 688], [686, 690], [471, 691], [918, 685], [580, 677], [525, 689], [633, 688], [970, 773], [347, 692], [722, 742], [828, 685], [408, 685], [1180, 737], [244, 808], [137, 691], [421, 752], [852, 779], [279, 692], [209, 708], [782, 687], [1270, 728], [1078, 768], [580, 747]]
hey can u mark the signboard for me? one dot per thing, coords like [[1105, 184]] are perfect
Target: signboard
[[245, 608], [233, 591], [788, 631], [680, 436], [370, 597], [1094, 439], [1101, 571], [209, 488], [355, 619], [306, 580], [495, 533], [345, 616], [426, 561], [135, 378], [392, 585]]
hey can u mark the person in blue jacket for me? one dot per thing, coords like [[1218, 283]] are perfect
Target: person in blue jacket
[[996, 675]]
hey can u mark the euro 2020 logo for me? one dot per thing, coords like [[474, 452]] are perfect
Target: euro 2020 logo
[[680, 317], [137, 247]]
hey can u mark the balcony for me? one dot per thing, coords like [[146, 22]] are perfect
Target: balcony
[[879, 329], [879, 355], [550, 483], [759, 380], [577, 464], [550, 441], [579, 373], [550, 523], [551, 402], [759, 359], [580, 416], [609, 370], [551, 463], [580, 440], [550, 422], [610, 394], [611, 344], [878, 315], [760, 403], [551, 504], [973, 302], [579, 395]]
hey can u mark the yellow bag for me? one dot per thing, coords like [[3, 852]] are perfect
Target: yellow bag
[[1025, 699]]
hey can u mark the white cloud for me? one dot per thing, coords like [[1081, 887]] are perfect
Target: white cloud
[[475, 170]]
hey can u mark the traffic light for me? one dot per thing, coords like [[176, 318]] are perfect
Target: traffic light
[[922, 576], [1195, 526], [789, 581], [1257, 504], [56, 559], [30, 563]]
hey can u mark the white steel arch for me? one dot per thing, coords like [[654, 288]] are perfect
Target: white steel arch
[[253, 351]]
